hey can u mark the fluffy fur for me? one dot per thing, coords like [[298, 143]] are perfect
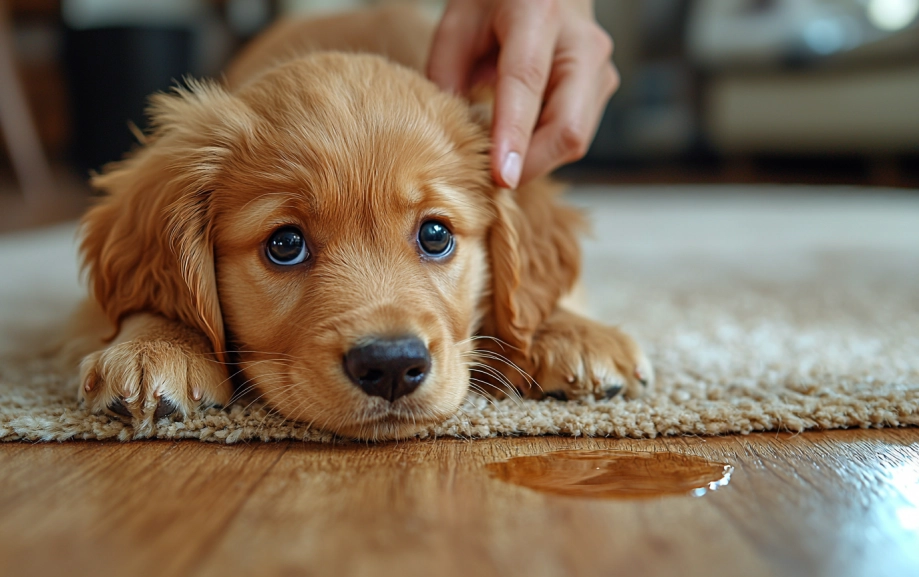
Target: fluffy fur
[[328, 125]]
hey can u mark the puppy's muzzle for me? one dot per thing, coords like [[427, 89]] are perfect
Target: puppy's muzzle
[[388, 367]]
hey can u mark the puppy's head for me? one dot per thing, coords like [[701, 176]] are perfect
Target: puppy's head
[[332, 228]]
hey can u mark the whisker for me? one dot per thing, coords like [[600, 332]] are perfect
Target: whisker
[[478, 390], [496, 340], [484, 368], [500, 385], [497, 375], [501, 358], [284, 388], [517, 400]]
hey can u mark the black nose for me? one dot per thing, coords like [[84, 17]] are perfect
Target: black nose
[[388, 367]]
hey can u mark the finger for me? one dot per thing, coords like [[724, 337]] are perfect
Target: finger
[[527, 36], [581, 85], [570, 118], [454, 47]]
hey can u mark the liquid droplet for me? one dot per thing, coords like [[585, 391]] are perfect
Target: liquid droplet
[[614, 474]]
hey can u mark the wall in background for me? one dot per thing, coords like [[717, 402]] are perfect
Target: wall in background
[[703, 80]]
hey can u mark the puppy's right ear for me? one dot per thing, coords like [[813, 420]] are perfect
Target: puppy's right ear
[[535, 260], [146, 245]]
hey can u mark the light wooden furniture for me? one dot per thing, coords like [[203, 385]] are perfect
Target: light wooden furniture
[[837, 503]]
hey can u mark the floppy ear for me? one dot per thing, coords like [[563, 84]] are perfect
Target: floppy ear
[[533, 245], [535, 260], [147, 244]]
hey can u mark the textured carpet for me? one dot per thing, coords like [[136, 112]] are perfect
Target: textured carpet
[[762, 308]]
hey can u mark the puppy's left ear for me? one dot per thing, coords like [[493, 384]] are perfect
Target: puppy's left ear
[[147, 244], [535, 260]]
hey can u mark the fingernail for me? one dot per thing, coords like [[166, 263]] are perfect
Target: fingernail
[[510, 170]]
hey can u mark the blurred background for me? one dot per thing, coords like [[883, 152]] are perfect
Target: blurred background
[[713, 91]]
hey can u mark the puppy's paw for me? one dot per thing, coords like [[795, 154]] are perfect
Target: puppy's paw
[[143, 380], [574, 358]]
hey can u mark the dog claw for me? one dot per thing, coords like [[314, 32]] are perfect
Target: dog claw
[[119, 408], [610, 392], [641, 378], [164, 408]]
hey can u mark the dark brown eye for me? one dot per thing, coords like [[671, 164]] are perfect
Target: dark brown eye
[[435, 239], [287, 247]]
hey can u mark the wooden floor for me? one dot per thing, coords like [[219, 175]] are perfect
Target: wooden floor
[[835, 503]]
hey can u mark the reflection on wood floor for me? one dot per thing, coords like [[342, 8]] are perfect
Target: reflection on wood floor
[[821, 503]]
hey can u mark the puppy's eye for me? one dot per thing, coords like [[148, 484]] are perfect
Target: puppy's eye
[[287, 247], [435, 239]]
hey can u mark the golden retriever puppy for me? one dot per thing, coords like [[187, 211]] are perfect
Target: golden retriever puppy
[[322, 226]]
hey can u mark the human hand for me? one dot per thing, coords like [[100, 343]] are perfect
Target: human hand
[[549, 62]]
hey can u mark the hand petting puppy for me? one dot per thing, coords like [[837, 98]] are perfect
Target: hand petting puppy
[[549, 62]]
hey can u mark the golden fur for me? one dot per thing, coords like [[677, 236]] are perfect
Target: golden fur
[[356, 150]]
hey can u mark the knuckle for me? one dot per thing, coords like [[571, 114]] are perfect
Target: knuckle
[[529, 74], [451, 21], [544, 13], [612, 81], [573, 141], [602, 42], [546, 7]]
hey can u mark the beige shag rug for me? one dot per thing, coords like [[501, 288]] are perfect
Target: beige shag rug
[[762, 308]]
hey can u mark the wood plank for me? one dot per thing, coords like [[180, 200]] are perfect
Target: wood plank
[[797, 504], [108, 508], [839, 502]]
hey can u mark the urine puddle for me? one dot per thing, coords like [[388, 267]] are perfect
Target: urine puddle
[[614, 474]]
